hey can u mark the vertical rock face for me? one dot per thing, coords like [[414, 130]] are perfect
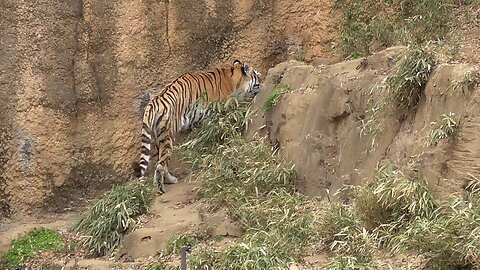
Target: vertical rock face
[[75, 75]]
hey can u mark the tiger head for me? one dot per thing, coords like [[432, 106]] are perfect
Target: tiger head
[[246, 78]]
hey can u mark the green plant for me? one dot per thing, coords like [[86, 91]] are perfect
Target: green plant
[[392, 201], [112, 216], [371, 25], [473, 191], [406, 84], [469, 79], [207, 259], [176, 242], [449, 240], [257, 188], [357, 54], [340, 230], [275, 96], [157, 266], [349, 263], [444, 129], [35, 241]]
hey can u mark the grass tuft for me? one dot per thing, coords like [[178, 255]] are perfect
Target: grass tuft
[[176, 242], [371, 25], [349, 263], [105, 224], [392, 201], [257, 188], [340, 230], [406, 84], [275, 96], [468, 80], [444, 129], [35, 241], [450, 240]]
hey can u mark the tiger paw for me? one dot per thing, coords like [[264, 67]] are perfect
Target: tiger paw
[[171, 179]]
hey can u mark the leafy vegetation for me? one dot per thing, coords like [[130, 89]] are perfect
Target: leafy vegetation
[[105, 224], [176, 242], [402, 215], [406, 84], [257, 188], [275, 96], [349, 262], [393, 199], [35, 241], [399, 93], [370, 25], [468, 80], [450, 239], [442, 130], [342, 232]]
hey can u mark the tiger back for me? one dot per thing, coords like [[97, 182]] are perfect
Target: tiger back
[[184, 103]]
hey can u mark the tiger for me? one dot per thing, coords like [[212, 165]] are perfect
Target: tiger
[[182, 104]]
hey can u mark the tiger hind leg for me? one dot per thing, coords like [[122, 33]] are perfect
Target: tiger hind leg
[[159, 178], [162, 175]]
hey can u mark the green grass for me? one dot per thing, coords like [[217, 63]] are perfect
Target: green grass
[[275, 96], [349, 263], [357, 54], [106, 222], [402, 215], [406, 84], [157, 266], [369, 25], [450, 240], [341, 231], [176, 242], [392, 201], [468, 80], [257, 189], [442, 130], [35, 241]]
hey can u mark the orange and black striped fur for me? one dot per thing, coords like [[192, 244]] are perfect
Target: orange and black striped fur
[[176, 108]]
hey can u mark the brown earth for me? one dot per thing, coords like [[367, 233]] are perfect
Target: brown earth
[[75, 74]]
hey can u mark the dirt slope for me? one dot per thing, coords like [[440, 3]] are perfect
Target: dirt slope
[[319, 124]]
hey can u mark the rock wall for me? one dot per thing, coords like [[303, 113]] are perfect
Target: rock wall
[[320, 124], [75, 74]]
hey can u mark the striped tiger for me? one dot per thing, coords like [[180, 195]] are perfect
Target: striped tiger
[[184, 103]]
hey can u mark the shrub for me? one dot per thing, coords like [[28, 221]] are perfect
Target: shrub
[[112, 216], [349, 263], [444, 129], [392, 201], [341, 231], [406, 84], [176, 242], [450, 240]]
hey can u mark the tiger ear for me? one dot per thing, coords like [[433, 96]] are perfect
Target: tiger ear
[[245, 68], [237, 62]]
